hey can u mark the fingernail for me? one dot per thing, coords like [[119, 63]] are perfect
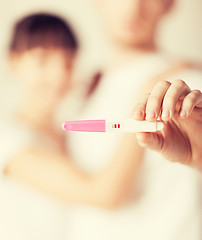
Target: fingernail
[[183, 113], [165, 113], [150, 114]]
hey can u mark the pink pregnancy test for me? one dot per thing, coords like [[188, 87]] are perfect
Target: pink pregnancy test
[[127, 125]]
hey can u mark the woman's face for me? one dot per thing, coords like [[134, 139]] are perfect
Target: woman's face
[[133, 21], [44, 73]]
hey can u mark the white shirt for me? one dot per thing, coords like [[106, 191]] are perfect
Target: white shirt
[[169, 205]]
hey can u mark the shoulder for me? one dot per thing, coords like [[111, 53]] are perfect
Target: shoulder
[[192, 76], [13, 138], [188, 71]]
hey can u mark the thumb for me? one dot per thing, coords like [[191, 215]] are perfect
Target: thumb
[[153, 141]]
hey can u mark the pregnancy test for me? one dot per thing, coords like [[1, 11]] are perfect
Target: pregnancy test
[[127, 125]]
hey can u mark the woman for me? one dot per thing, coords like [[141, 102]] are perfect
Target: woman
[[33, 150]]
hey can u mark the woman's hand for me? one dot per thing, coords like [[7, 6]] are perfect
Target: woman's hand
[[181, 111]]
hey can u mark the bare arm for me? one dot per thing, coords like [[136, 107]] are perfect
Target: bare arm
[[58, 176]]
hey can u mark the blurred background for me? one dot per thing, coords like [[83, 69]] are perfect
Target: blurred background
[[180, 34]]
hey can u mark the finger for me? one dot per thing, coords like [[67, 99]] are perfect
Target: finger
[[139, 110], [155, 100], [193, 99], [177, 89], [153, 141]]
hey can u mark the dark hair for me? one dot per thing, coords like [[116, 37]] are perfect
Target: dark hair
[[42, 30]]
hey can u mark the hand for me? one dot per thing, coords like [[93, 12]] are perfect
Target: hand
[[181, 111]]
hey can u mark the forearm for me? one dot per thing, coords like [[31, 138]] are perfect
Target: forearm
[[58, 176], [50, 173]]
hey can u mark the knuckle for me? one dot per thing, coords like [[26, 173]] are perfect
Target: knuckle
[[154, 100], [144, 98], [170, 97], [192, 98], [196, 92], [139, 106], [169, 102], [146, 95], [163, 83], [166, 83], [188, 103], [179, 83]]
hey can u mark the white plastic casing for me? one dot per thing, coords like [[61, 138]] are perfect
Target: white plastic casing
[[131, 125]]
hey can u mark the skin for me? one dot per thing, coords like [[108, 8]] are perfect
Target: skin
[[57, 175], [132, 26], [181, 110], [43, 72], [44, 76], [51, 170], [134, 23]]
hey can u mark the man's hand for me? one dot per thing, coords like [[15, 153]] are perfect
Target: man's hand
[[181, 111]]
